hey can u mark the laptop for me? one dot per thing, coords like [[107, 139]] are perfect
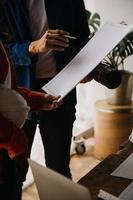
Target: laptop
[[53, 186]]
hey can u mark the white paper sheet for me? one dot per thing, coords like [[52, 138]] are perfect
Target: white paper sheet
[[127, 194], [125, 169], [107, 196], [105, 39]]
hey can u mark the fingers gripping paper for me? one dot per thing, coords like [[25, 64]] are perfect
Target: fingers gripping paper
[[108, 36]]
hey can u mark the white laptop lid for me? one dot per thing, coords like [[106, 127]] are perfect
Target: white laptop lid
[[53, 186]]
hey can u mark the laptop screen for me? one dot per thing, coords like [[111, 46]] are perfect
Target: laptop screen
[[53, 186]]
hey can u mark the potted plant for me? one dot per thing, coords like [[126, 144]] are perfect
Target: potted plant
[[122, 95], [93, 22]]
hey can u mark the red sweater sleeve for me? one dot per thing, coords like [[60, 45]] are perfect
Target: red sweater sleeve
[[34, 99], [12, 138]]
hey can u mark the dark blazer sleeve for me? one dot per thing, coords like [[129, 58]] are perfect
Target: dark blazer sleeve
[[81, 24]]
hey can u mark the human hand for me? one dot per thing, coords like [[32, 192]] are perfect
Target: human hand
[[51, 102], [87, 79], [51, 40]]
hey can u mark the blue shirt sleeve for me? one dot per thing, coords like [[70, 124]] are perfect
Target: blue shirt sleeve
[[19, 53]]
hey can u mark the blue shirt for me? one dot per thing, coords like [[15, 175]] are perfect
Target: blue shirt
[[17, 16]]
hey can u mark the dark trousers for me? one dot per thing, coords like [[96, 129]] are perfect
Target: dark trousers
[[12, 175], [56, 132]]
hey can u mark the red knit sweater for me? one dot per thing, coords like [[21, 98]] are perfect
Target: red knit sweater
[[11, 137]]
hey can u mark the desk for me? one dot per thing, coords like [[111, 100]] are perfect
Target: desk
[[100, 178], [113, 125]]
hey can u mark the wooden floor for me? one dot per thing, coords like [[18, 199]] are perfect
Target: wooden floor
[[80, 165]]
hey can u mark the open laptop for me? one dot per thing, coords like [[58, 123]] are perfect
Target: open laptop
[[53, 186]]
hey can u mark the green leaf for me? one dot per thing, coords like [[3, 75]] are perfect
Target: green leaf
[[122, 50], [93, 21]]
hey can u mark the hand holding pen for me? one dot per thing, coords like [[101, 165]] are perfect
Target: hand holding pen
[[56, 40], [70, 37]]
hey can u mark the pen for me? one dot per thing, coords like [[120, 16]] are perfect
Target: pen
[[70, 37]]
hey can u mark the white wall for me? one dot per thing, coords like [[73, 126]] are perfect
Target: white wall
[[117, 11], [90, 5]]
